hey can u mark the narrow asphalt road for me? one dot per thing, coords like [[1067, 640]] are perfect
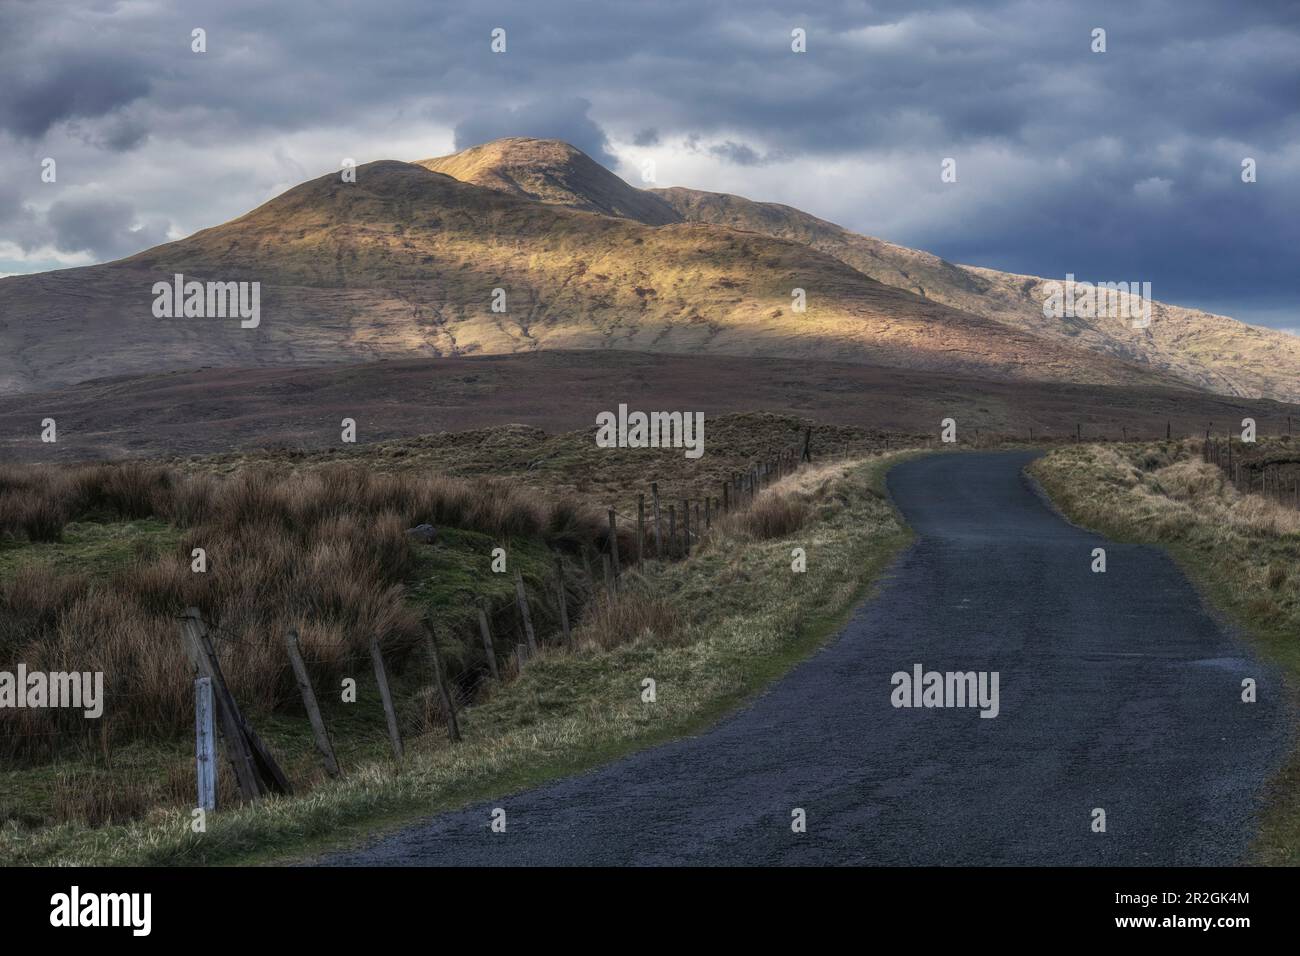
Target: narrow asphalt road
[[1116, 691]]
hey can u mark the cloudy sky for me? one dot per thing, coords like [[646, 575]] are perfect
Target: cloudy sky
[[1122, 165]]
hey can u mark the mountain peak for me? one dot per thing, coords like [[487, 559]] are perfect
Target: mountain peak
[[552, 171]]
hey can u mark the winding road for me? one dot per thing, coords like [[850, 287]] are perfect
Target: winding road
[[1117, 691]]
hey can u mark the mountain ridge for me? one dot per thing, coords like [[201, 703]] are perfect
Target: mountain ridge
[[406, 261], [1204, 350]]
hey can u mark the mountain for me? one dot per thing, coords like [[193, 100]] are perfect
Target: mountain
[[405, 262], [547, 170], [1207, 351]]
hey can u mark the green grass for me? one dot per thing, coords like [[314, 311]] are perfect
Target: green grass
[[750, 619], [90, 547], [1227, 544]]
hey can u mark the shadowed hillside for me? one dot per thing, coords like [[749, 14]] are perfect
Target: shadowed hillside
[[217, 410]]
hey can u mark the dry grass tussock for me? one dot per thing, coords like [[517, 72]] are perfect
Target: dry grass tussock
[[785, 506], [1174, 491], [323, 552], [635, 614], [639, 614]]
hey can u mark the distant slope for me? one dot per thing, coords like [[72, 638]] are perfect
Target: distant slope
[[1206, 351], [1209, 351], [405, 262], [222, 409]]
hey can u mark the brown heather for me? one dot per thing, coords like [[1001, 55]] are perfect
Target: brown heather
[[323, 552]]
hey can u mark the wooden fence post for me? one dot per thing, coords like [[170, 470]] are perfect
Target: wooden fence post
[[453, 725], [205, 744], [640, 529], [564, 598], [255, 768], [521, 599], [237, 749], [390, 713], [486, 633], [318, 730], [613, 546], [659, 541], [686, 525], [708, 518], [672, 528]]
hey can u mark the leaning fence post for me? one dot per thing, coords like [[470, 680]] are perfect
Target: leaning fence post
[[521, 598], [309, 701], [238, 737], [390, 714], [205, 744], [486, 632], [439, 676]]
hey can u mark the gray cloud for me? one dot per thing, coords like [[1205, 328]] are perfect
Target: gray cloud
[[91, 86], [738, 153], [104, 227]]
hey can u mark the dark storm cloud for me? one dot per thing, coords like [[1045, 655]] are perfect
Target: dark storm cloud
[[53, 92], [103, 227], [1100, 164], [738, 153]]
